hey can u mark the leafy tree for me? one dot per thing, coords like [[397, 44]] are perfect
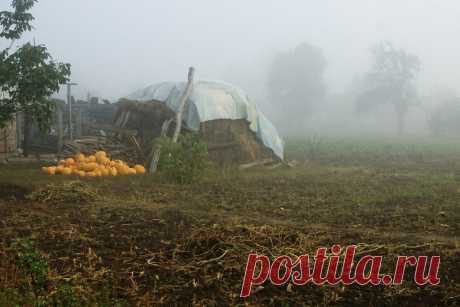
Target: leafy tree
[[29, 75], [14, 24], [296, 81], [390, 81]]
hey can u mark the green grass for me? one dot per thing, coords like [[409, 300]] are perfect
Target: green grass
[[375, 152]]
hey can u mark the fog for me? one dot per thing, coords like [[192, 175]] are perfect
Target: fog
[[116, 47]]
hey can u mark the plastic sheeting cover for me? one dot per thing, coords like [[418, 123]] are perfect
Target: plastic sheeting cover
[[214, 100]]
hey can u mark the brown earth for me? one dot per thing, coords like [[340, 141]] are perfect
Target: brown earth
[[140, 241]]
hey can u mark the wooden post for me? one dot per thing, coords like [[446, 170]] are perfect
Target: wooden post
[[157, 147], [164, 128], [78, 120], [125, 119], [60, 129], [19, 130], [27, 133], [69, 106], [183, 101]]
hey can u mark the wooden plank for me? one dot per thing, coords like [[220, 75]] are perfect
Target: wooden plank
[[256, 163], [78, 123], [138, 148], [125, 120], [60, 129], [164, 129], [157, 147], [183, 101], [111, 128]]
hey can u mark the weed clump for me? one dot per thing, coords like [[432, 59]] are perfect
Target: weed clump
[[64, 296], [36, 288], [184, 161], [31, 263]]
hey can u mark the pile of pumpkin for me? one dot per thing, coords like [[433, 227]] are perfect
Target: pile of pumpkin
[[93, 166]]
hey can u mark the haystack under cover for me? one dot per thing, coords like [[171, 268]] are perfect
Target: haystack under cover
[[233, 127]]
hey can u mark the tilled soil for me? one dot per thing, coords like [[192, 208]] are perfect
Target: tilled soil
[[145, 242]]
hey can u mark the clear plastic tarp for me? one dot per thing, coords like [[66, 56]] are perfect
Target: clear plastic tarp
[[211, 100]]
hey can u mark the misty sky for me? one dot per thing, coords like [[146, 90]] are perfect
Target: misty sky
[[118, 46]]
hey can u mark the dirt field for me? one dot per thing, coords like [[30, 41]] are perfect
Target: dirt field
[[141, 241]]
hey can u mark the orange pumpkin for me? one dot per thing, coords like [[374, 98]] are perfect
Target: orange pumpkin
[[139, 169], [66, 171], [88, 167], [91, 159], [119, 167], [103, 160], [105, 171], [113, 171], [80, 157], [131, 171], [123, 170], [100, 155]]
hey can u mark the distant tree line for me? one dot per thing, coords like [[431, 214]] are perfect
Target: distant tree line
[[296, 82]]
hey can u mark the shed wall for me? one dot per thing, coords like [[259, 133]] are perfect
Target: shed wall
[[8, 138]]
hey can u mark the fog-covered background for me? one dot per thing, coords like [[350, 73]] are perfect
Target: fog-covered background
[[118, 46]]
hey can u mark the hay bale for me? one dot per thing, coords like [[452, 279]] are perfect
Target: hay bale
[[229, 141]]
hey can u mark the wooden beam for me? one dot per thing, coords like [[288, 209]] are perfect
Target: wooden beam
[[183, 101], [78, 123], [157, 147], [164, 129], [60, 129], [256, 163], [110, 128]]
